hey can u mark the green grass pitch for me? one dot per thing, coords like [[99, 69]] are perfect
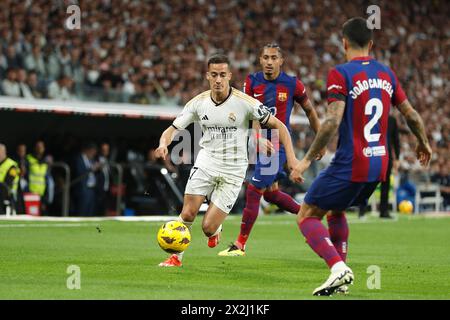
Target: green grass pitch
[[120, 262]]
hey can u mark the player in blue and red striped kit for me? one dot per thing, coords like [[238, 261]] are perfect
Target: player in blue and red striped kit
[[280, 93], [360, 94]]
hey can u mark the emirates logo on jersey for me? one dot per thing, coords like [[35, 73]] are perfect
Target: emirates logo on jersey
[[282, 96], [232, 117]]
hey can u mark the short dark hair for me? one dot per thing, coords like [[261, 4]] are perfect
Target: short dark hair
[[218, 58], [272, 45], [357, 32]]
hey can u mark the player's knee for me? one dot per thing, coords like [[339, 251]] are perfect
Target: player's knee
[[188, 214], [253, 189], [307, 211], [269, 196], [208, 229]]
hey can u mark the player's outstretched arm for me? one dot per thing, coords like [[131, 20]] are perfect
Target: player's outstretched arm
[[326, 132], [285, 139], [415, 123], [164, 142]]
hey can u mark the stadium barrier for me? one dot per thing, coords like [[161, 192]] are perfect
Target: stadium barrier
[[428, 194], [97, 109], [101, 109]]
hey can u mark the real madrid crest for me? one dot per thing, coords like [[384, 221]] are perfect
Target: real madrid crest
[[282, 96], [232, 117]]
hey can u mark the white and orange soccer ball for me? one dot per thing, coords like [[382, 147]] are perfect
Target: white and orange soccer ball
[[174, 237]]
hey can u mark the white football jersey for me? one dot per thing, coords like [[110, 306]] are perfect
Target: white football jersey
[[225, 129]]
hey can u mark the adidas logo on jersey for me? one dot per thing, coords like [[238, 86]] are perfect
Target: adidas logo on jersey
[[205, 117]]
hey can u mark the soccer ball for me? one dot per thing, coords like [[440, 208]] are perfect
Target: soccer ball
[[174, 237], [406, 207]]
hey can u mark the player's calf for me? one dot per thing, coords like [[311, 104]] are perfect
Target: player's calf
[[282, 200]]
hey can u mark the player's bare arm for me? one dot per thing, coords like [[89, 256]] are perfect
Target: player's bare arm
[[415, 123], [165, 140], [314, 121], [311, 113], [326, 132], [285, 139]]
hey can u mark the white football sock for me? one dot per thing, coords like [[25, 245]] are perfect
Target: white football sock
[[338, 266], [217, 231], [180, 255], [187, 224]]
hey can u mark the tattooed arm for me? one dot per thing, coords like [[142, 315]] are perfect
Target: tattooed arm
[[326, 132], [415, 123], [327, 129]]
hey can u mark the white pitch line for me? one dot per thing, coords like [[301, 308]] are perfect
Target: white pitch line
[[87, 219], [47, 225]]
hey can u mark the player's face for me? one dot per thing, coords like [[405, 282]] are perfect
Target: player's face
[[40, 148], [271, 62], [2, 153], [219, 77]]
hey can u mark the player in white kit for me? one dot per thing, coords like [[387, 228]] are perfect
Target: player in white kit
[[224, 114]]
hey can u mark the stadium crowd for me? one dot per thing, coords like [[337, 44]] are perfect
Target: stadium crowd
[[154, 53]]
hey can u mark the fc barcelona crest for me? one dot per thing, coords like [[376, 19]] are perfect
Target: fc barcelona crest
[[282, 96]]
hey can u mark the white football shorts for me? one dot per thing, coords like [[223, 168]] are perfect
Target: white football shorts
[[222, 190]]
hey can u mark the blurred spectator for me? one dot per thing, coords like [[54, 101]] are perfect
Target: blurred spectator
[[61, 89], [33, 84], [13, 60], [21, 159], [84, 183], [103, 179], [139, 97], [35, 61], [38, 174], [22, 162], [24, 89], [9, 180], [10, 86]]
